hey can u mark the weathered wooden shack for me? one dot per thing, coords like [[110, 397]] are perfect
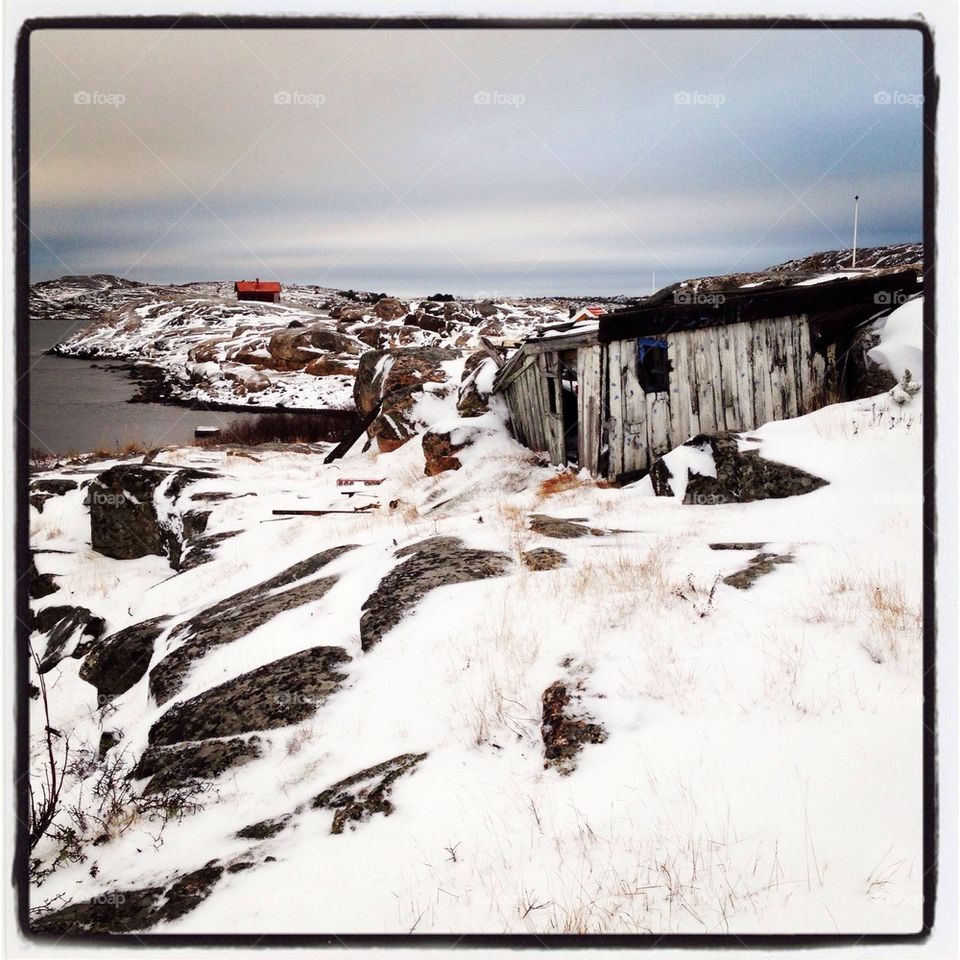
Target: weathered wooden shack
[[613, 397]]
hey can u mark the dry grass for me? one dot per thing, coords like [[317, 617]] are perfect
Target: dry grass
[[877, 605], [294, 427]]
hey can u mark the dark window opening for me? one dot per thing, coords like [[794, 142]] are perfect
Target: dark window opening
[[653, 367]]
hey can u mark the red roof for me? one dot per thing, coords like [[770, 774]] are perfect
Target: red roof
[[256, 286]]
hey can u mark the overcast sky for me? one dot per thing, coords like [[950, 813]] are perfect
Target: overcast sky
[[469, 161]]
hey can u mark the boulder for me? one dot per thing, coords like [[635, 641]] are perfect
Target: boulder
[[380, 372], [389, 308], [277, 694], [432, 563], [440, 452], [301, 346], [543, 558], [740, 476], [127, 521], [475, 385], [426, 321], [330, 367]]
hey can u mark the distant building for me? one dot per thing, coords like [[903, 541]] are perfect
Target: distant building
[[587, 314], [265, 290]]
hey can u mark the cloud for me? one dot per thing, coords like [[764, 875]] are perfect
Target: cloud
[[554, 163]]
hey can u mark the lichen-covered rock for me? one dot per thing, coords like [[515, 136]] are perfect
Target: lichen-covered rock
[[543, 558], [182, 764], [119, 661], [263, 829], [561, 529], [238, 615], [126, 520], [741, 475], [127, 911], [432, 563], [301, 346], [381, 372], [275, 695], [440, 452], [758, 565], [745, 476], [366, 793], [389, 308], [475, 385], [565, 727], [330, 367]]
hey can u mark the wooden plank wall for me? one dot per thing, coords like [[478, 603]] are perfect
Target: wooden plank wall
[[590, 401], [722, 378]]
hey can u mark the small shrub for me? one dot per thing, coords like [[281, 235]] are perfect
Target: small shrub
[[325, 426]]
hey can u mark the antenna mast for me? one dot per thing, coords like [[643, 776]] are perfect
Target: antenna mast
[[856, 212]]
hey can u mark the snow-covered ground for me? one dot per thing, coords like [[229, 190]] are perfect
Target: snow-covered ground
[[762, 771]]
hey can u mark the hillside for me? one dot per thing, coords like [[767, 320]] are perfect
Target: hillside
[[501, 698], [302, 353]]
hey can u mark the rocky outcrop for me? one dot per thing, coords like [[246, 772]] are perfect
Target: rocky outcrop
[[238, 615], [127, 519], [741, 476], [565, 727], [263, 829], [41, 584], [560, 529], [275, 695], [389, 308], [440, 452], [126, 911], [69, 630], [366, 793], [330, 367], [184, 764], [46, 489], [759, 565], [437, 562], [381, 372], [300, 346], [120, 661], [473, 401]]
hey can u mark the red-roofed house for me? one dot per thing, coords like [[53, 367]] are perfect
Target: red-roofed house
[[266, 290]]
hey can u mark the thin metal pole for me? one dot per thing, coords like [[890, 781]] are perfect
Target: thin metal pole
[[856, 212]]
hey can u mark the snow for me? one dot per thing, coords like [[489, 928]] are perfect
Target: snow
[[824, 278], [901, 340], [763, 768]]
